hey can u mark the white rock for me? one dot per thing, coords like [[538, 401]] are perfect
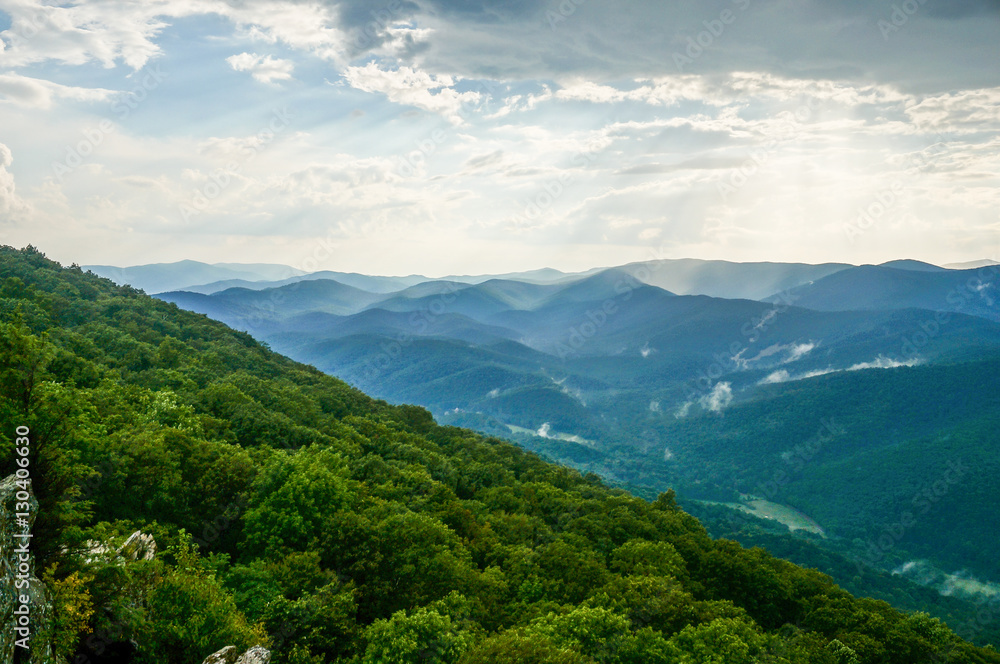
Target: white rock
[[256, 655], [227, 655]]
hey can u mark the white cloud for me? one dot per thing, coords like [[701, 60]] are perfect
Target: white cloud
[[125, 31], [263, 68], [775, 353], [414, 88], [779, 376], [967, 111], [881, 362], [720, 397], [83, 32], [798, 351], [9, 201], [39, 93]]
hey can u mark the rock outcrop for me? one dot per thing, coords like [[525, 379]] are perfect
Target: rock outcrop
[[138, 546], [230, 655], [18, 565], [256, 655], [227, 655]]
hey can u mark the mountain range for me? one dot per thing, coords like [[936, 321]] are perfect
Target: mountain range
[[695, 375]]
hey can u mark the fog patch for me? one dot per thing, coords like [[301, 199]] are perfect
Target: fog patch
[[880, 362], [720, 397], [959, 584]]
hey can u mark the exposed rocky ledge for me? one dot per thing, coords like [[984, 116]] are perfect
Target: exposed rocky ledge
[[230, 655]]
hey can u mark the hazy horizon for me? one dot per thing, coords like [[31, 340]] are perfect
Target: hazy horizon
[[433, 275]]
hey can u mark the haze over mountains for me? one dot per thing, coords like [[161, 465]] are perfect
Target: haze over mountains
[[205, 278], [698, 375]]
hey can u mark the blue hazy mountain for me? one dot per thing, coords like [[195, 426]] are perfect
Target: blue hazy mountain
[[682, 276], [913, 266], [751, 281], [975, 292], [163, 277], [198, 277]]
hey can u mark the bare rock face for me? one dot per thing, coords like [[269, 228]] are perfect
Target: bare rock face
[[138, 546], [17, 576], [256, 655], [227, 655], [230, 655]]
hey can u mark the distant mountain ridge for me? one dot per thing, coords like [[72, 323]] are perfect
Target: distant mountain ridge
[[198, 277], [715, 278], [161, 277], [869, 287], [748, 281]]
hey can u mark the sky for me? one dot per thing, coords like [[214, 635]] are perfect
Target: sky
[[448, 136]]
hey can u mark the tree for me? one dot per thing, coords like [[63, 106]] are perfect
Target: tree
[[722, 641], [842, 653], [293, 497], [427, 635], [22, 358]]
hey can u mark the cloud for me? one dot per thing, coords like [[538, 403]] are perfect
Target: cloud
[[699, 163], [83, 32], [775, 353], [39, 93], [720, 397], [263, 68], [9, 201], [968, 111], [480, 162], [798, 351], [414, 88], [779, 376], [123, 31], [595, 43], [881, 362], [600, 43], [960, 584]]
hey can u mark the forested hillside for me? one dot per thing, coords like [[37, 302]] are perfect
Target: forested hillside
[[292, 511]]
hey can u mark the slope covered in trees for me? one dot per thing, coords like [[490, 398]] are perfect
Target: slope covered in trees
[[294, 511]]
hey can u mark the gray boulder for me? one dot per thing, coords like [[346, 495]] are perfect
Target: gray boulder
[[256, 655], [230, 655], [227, 655]]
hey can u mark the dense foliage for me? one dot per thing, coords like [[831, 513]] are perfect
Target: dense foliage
[[972, 615], [294, 511]]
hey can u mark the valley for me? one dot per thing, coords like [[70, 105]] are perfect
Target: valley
[[842, 396]]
